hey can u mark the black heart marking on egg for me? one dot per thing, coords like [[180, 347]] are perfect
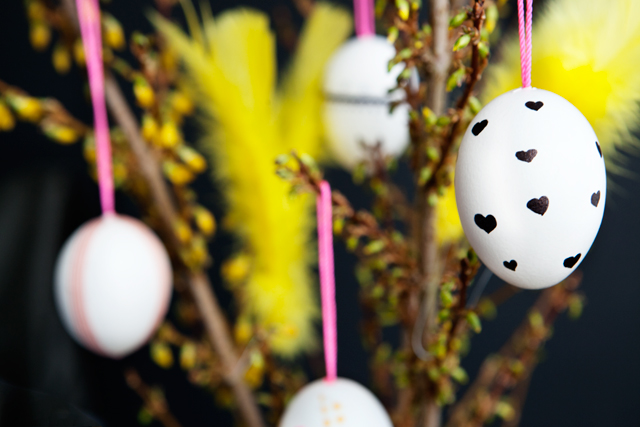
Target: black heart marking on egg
[[527, 156], [479, 127], [535, 106], [571, 261], [595, 199], [487, 223], [599, 149], [539, 206], [511, 265]]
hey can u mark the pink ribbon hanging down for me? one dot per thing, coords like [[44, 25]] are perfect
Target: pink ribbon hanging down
[[525, 40], [364, 16], [327, 280], [90, 29]]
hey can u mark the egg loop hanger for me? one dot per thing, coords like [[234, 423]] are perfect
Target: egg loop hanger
[[327, 280], [90, 30], [364, 18], [524, 34], [365, 27]]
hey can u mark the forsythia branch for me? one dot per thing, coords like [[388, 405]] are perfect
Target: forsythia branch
[[515, 361]]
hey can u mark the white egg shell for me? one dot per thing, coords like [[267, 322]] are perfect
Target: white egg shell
[[530, 187], [112, 284], [356, 109], [339, 403]]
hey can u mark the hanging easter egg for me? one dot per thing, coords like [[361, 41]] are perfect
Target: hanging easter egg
[[530, 187], [112, 284], [357, 99], [337, 403]]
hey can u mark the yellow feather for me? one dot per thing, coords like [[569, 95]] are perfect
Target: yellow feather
[[302, 100], [248, 124], [588, 53], [448, 225]]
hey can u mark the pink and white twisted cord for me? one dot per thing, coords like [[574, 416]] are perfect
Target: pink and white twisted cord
[[525, 40], [90, 29], [327, 280]]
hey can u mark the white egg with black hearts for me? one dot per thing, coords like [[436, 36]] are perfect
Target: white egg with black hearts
[[337, 403], [357, 100], [530, 187], [112, 284]]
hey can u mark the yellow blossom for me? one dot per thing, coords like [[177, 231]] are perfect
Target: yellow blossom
[[145, 96], [60, 133], [61, 58], [198, 251], [36, 11], [7, 122], [194, 160], [89, 149], [149, 128], [161, 354], [170, 135], [40, 36], [205, 220], [120, 173], [113, 33], [188, 353], [26, 107], [181, 103], [235, 270], [182, 230], [78, 52], [177, 173], [255, 373], [243, 330]]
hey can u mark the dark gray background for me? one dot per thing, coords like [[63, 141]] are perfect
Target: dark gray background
[[590, 376]]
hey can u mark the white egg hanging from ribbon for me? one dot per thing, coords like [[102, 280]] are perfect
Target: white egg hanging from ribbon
[[357, 99], [332, 401], [530, 186], [112, 284], [338, 403], [113, 276]]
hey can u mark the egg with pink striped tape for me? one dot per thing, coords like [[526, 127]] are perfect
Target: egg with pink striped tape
[[337, 403], [112, 284]]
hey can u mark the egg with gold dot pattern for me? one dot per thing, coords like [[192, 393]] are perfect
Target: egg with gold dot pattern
[[338, 403]]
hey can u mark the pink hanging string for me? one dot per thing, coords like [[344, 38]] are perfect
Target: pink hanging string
[[90, 28], [364, 18], [525, 40], [327, 280]]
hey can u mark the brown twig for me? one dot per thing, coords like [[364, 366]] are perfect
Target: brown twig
[[477, 65], [52, 109], [305, 7], [515, 360], [518, 396], [357, 223], [427, 246], [199, 284], [154, 401]]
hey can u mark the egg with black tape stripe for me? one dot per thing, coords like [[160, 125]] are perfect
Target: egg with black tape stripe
[[356, 112], [530, 187]]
